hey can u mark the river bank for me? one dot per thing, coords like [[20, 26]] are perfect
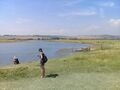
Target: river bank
[[94, 70], [28, 50]]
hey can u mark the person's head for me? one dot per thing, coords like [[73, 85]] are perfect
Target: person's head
[[40, 50], [14, 57]]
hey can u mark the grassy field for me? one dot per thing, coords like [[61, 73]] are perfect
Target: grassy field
[[2, 40], [98, 69], [7, 41]]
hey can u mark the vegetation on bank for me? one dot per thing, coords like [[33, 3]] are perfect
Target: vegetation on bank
[[3, 40], [7, 41], [103, 58], [98, 69]]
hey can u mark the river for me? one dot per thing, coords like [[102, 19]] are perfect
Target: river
[[28, 50]]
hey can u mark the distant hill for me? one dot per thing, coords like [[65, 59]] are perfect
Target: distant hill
[[57, 37], [99, 37]]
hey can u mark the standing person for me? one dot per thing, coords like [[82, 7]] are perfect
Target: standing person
[[43, 60], [15, 60]]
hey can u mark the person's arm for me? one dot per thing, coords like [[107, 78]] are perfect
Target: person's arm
[[41, 56]]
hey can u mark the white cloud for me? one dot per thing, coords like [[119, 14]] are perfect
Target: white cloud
[[87, 13], [93, 27], [107, 4], [103, 5], [114, 22], [58, 32], [111, 27], [102, 13], [22, 20], [74, 2]]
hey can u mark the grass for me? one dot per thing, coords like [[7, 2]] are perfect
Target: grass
[[98, 69], [7, 40], [70, 81], [2, 40]]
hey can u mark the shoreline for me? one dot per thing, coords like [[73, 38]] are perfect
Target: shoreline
[[10, 41], [95, 45], [97, 61], [73, 51]]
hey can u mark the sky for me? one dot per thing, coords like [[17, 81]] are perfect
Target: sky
[[60, 17]]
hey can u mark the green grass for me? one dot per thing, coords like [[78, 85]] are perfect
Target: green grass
[[7, 40], [98, 69], [68, 81], [2, 40]]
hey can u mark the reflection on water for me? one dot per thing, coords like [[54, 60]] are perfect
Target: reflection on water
[[28, 50]]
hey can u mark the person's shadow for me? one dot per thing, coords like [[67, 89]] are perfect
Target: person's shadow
[[52, 76]]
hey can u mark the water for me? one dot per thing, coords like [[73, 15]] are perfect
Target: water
[[28, 50]]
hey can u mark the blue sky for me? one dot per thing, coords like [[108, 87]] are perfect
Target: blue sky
[[60, 17]]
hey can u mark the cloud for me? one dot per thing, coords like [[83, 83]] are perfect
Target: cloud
[[87, 13], [107, 4], [74, 2], [103, 5], [101, 12], [93, 27], [110, 27], [114, 22], [22, 20], [58, 32]]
